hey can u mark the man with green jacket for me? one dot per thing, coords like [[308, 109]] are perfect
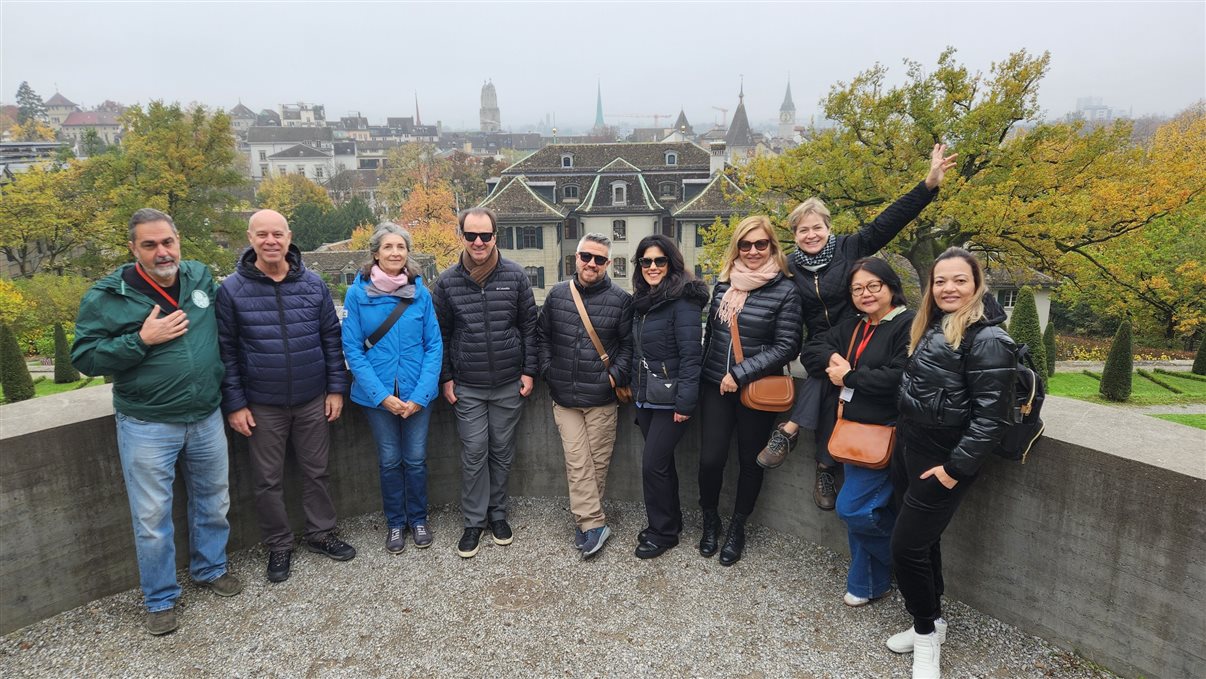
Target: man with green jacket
[[151, 325]]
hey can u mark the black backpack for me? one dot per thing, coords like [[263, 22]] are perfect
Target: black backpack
[[1025, 425]]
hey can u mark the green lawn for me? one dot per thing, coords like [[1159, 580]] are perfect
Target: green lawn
[[1143, 391], [1198, 421], [47, 387]]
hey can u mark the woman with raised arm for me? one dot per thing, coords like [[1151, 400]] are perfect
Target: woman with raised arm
[[755, 295], [820, 268], [955, 399], [667, 307]]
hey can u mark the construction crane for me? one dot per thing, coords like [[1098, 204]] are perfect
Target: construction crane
[[724, 116], [657, 117]]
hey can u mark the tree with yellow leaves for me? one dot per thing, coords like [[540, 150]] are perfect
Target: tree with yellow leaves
[[287, 193], [31, 130], [428, 215]]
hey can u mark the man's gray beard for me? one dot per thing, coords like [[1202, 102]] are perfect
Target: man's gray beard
[[167, 270]]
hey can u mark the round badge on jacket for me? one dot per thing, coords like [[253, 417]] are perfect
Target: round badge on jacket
[[200, 299]]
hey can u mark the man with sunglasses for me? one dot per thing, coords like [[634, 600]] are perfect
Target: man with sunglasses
[[582, 382], [487, 317]]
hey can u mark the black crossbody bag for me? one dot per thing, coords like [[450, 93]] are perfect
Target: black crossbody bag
[[388, 323]]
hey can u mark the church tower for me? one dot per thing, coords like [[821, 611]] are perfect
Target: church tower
[[491, 120], [787, 116]]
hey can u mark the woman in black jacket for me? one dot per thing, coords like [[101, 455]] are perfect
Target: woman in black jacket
[[754, 292], [667, 308], [864, 356], [955, 397], [820, 268]]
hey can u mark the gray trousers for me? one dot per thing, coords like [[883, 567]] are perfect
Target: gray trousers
[[486, 420], [306, 427]]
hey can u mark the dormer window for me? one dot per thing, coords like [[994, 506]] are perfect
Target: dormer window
[[666, 189], [619, 193], [570, 192], [671, 158], [567, 160]]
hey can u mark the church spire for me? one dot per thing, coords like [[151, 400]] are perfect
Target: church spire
[[599, 124]]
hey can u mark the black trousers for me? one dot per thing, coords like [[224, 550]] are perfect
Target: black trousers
[[720, 416], [659, 477], [926, 511]]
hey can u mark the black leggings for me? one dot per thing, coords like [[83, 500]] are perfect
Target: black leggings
[[719, 416], [659, 476]]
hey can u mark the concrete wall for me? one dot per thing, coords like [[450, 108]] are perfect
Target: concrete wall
[[1097, 544]]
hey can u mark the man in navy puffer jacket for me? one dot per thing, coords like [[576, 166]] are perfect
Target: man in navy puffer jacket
[[285, 378]]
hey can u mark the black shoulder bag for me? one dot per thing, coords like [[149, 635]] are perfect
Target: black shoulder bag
[[393, 317]]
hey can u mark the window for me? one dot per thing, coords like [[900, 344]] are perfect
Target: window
[[668, 227], [619, 230], [264, 170], [349, 278], [570, 267], [301, 169], [570, 192], [535, 275], [571, 229], [530, 238], [282, 170], [1007, 297], [567, 160], [619, 267], [671, 158], [699, 237], [619, 193], [318, 172], [666, 189], [263, 156]]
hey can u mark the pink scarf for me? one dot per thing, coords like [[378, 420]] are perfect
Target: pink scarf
[[385, 282], [742, 281]]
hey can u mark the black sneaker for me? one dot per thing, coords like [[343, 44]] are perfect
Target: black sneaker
[[470, 543], [395, 540], [501, 531], [333, 547], [278, 565], [422, 534]]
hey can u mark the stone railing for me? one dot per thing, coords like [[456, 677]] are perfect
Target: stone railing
[[1098, 544]]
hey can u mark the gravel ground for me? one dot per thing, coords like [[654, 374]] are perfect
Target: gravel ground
[[531, 609]]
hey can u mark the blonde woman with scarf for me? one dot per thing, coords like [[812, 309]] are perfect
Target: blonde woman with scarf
[[753, 289]]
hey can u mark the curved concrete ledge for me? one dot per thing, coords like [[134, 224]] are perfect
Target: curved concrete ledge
[[1098, 544]]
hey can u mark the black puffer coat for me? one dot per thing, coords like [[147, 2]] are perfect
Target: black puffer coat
[[668, 341], [280, 342], [825, 297], [955, 402], [569, 362], [489, 331], [770, 333]]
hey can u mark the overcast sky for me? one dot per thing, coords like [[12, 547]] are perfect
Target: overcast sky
[[546, 57]]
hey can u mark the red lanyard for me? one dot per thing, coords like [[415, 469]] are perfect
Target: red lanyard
[[153, 284], [863, 345]]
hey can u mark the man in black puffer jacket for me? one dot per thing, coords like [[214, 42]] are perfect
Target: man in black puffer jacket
[[487, 316], [583, 387], [285, 377]]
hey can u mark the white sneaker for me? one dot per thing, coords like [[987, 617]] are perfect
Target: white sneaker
[[902, 642], [855, 601], [927, 650]]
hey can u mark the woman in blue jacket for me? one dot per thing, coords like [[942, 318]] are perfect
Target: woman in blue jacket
[[395, 362]]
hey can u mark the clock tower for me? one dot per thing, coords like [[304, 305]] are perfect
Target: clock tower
[[787, 116]]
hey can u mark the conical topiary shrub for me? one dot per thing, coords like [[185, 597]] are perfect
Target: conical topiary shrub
[[64, 372], [17, 384], [1116, 376], [1199, 359], [1049, 346], [1024, 327]]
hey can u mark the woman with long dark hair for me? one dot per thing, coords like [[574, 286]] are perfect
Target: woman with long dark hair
[[667, 305], [395, 360], [864, 356], [955, 399], [754, 293]]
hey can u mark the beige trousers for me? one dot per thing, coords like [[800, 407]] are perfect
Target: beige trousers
[[588, 436]]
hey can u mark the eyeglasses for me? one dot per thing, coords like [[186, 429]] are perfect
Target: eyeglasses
[[600, 260], [872, 287], [650, 262], [759, 245], [484, 237]]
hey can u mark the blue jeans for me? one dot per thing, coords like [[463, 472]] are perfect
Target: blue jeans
[[149, 453], [402, 461], [865, 504]]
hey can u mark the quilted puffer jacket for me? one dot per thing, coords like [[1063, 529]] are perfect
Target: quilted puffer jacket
[[955, 401], [280, 342], [489, 331], [569, 363], [668, 341], [770, 333]]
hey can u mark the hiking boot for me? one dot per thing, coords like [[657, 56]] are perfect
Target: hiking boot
[[278, 565], [734, 541], [777, 448], [332, 547], [160, 623], [395, 540], [500, 530], [825, 492], [470, 543], [422, 534], [224, 585], [595, 537], [710, 541], [902, 642]]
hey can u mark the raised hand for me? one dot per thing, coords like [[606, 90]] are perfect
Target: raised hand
[[157, 330], [939, 164]]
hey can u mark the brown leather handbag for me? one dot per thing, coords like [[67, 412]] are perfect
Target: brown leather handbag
[[857, 443], [773, 393], [623, 394]]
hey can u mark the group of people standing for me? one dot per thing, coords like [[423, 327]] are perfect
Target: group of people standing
[[267, 351]]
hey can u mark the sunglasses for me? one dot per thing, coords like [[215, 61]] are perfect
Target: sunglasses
[[600, 260], [759, 245], [485, 237], [650, 262]]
